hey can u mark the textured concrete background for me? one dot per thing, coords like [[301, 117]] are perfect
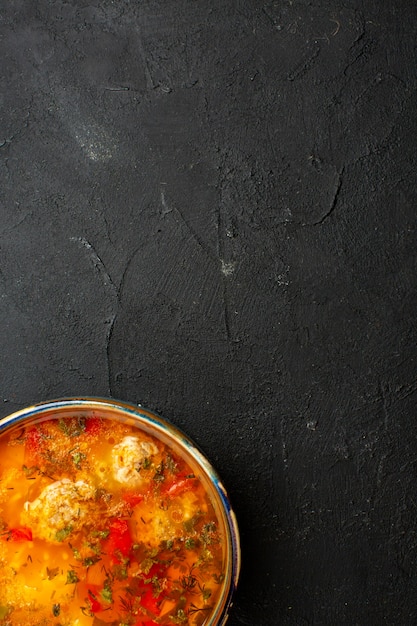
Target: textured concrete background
[[209, 207]]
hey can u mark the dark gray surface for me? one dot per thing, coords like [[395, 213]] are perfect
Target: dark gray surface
[[210, 208]]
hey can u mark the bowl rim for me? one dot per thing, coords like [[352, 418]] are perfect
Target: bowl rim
[[138, 411]]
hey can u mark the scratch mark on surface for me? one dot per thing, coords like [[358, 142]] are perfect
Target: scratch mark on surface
[[305, 66], [380, 469], [97, 263], [165, 208], [226, 315], [149, 80], [107, 226], [406, 390], [117, 88], [334, 200], [364, 47], [124, 274], [283, 447], [108, 359], [184, 222], [383, 392], [112, 322], [325, 38], [26, 216], [336, 30], [115, 293], [226, 271]]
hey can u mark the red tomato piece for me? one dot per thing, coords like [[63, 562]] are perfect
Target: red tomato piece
[[33, 440], [23, 533], [157, 569], [95, 604], [132, 498], [180, 486], [149, 602], [119, 541], [93, 425]]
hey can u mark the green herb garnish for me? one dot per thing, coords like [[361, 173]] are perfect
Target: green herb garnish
[[146, 463], [101, 534], [73, 426], [63, 533], [77, 459], [107, 593], [189, 543], [72, 577], [90, 560]]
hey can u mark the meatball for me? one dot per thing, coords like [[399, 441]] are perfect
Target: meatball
[[60, 509], [128, 457]]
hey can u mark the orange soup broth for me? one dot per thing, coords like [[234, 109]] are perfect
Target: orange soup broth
[[102, 523]]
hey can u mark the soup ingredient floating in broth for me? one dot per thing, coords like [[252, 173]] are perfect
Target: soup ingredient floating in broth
[[103, 524]]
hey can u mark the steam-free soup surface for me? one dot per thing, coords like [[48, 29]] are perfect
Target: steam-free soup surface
[[101, 523]]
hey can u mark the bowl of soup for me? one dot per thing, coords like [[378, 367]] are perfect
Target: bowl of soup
[[109, 515]]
